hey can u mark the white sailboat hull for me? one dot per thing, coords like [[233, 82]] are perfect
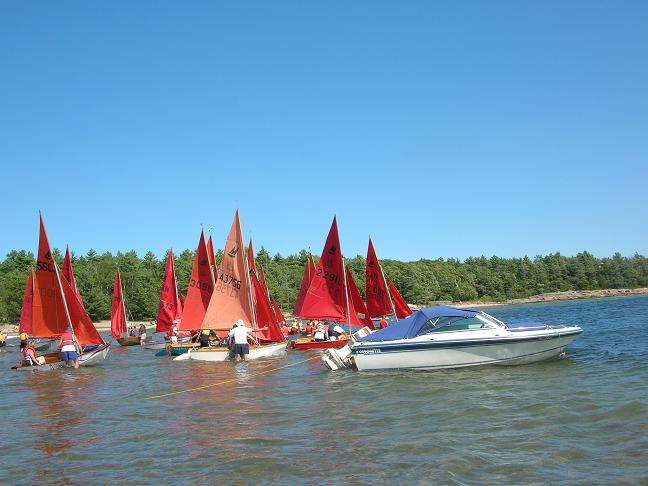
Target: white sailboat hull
[[89, 358], [224, 354]]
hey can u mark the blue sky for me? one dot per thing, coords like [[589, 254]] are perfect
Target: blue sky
[[443, 129]]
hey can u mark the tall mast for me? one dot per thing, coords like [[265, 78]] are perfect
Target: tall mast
[[65, 305]]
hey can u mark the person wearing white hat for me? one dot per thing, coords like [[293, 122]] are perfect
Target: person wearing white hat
[[240, 334]]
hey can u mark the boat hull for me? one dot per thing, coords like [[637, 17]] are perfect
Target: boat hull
[[220, 354], [310, 343], [53, 360], [438, 355], [129, 341]]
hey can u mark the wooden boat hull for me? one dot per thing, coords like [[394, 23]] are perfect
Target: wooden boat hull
[[129, 341], [310, 343], [180, 348], [220, 354], [53, 360]]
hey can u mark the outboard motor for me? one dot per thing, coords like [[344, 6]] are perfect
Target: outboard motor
[[336, 359]]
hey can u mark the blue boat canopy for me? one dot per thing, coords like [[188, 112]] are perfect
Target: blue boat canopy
[[408, 328]]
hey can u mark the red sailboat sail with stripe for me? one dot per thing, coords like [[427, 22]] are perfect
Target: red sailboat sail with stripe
[[68, 273], [402, 309], [55, 305], [200, 289], [118, 321], [26, 311], [170, 308], [378, 302], [277, 311], [326, 296], [357, 308], [212, 259], [250, 257], [307, 278], [232, 297]]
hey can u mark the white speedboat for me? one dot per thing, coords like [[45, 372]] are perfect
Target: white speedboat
[[446, 337]]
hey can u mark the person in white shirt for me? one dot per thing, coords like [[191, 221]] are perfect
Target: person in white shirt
[[240, 333], [337, 331]]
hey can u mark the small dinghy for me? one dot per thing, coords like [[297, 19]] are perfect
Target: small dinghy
[[56, 307]]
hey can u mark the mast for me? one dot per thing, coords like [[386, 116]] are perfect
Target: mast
[[121, 288], [247, 276], [65, 305]]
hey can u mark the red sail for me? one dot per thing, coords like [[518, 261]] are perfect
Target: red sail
[[118, 324], [378, 303], [250, 258], [264, 283], [26, 312], [264, 313], [278, 314], [212, 259], [357, 308], [402, 309], [326, 295], [170, 308], [68, 273], [232, 299], [200, 289], [49, 316], [307, 278], [82, 325]]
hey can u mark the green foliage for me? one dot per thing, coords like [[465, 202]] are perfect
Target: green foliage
[[420, 282]]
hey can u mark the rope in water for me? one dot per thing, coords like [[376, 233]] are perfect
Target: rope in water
[[189, 390]]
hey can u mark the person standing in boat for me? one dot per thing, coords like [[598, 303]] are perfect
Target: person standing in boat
[[142, 333], [383, 323], [23, 340], [240, 334], [69, 348], [203, 338]]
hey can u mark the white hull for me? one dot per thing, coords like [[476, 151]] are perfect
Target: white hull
[[513, 352], [223, 354], [87, 359]]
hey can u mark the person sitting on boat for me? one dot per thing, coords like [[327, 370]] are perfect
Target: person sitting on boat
[[3, 339], [203, 339], [23, 339], [321, 332], [308, 330], [383, 323], [294, 330], [69, 347], [30, 356], [337, 331], [173, 333]]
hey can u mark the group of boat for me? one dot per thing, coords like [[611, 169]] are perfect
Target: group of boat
[[236, 291]]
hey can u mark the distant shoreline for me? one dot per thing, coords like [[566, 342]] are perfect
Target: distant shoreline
[[551, 297], [12, 329]]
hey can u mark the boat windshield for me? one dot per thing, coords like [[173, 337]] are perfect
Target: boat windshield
[[454, 324]]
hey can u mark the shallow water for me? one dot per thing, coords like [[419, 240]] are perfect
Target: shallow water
[[583, 419]]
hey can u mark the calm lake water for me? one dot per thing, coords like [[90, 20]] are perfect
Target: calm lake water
[[583, 419]]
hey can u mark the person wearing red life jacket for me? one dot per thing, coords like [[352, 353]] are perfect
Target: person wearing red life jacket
[[69, 347], [29, 356], [383, 323], [173, 333]]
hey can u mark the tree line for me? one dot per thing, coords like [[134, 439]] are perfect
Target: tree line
[[420, 282]]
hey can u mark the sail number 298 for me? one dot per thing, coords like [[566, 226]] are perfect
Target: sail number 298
[[328, 276]]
